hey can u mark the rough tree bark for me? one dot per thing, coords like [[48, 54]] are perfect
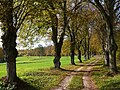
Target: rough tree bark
[[88, 48], [10, 51], [112, 51], [85, 49], [56, 60], [72, 52], [106, 58], [72, 47], [57, 42], [79, 55], [106, 53], [9, 42], [104, 42], [78, 45], [57, 45]]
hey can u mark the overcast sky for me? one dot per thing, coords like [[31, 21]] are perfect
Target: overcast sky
[[43, 42]]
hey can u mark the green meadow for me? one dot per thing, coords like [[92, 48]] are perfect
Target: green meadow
[[33, 63], [39, 73]]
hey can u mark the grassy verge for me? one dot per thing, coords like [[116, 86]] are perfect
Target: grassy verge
[[103, 81], [43, 79]]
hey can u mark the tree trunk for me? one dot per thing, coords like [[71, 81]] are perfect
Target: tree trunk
[[72, 55], [110, 20], [106, 58], [9, 41], [88, 52], [112, 50], [10, 51], [72, 47], [58, 41], [85, 49], [79, 55], [72, 50], [105, 51], [56, 61]]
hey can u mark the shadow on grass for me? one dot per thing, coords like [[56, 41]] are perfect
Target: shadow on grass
[[22, 85], [19, 85]]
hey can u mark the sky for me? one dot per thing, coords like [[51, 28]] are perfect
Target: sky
[[42, 42]]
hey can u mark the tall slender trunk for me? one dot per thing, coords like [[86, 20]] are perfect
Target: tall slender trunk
[[58, 42], [90, 53], [85, 49], [72, 55], [88, 48], [112, 51], [79, 55], [105, 51], [78, 45], [72, 46], [72, 49]]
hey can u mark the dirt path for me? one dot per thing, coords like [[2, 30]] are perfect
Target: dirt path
[[88, 83], [65, 82]]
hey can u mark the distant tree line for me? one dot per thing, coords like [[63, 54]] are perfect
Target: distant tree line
[[39, 51], [49, 50]]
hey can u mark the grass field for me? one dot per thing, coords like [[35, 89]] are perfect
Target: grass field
[[38, 72], [33, 63]]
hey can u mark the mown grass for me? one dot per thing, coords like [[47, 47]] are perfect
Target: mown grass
[[26, 64], [39, 74], [33, 63], [43, 79], [105, 81]]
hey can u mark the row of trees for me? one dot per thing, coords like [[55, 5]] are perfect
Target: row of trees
[[49, 50], [60, 19], [39, 51]]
